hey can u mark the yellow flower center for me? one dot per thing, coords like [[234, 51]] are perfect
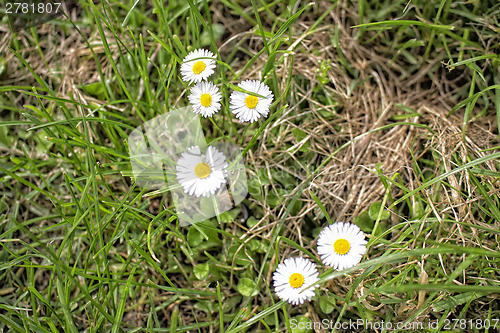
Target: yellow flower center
[[296, 280], [198, 67], [341, 246], [202, 170], [206, 100], [251, 102]]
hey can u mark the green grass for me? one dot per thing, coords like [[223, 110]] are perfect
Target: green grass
[[83, 248]]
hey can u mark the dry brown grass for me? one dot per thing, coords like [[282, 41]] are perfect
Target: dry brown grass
[[348, 184]]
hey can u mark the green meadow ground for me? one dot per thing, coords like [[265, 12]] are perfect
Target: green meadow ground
[[386, 114]]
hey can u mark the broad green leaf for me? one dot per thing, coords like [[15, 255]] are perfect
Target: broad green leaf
[[201, 271], [276, 198], [246, 287], [217, 30], [252, 221], [96, 89], [240, 256], [375, 209], [194, 237], [258, 246], [364, 222], [208, 307], [202, 237], [230, 216], [299, 135], [326, 304]]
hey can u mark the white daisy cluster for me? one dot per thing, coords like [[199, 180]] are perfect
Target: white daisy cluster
[[248, 105], [204, 174], [196, 67], [341, 245]]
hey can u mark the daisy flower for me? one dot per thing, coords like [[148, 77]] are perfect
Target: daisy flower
[[292, 277], [248, 107], [341, 245], [205, 98], [194, 68], [201, 174]]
